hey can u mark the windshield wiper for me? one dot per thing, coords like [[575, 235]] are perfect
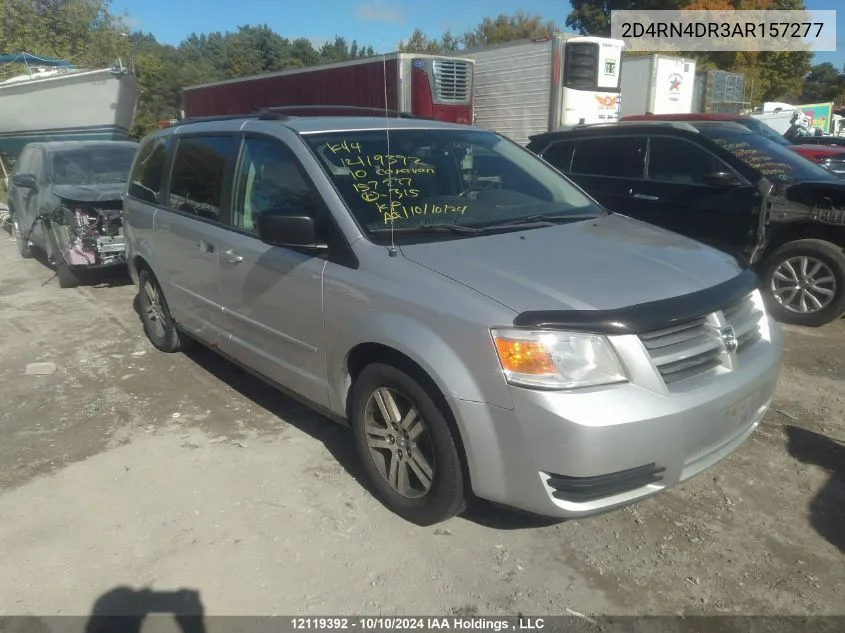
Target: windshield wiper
[[546, 218], [530, 222], [429, 228]]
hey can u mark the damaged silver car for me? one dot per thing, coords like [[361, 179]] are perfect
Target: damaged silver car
[[65, 199]]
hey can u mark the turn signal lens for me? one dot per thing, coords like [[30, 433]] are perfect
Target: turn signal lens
[[524, 357]]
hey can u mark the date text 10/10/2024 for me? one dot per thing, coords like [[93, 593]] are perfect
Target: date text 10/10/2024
[[381, 623]]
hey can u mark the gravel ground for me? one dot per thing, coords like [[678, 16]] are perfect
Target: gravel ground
[[131, 468]]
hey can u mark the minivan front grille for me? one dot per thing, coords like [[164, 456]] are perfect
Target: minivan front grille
[[692, 348], [685, 350], [744, 317], [452, 81]]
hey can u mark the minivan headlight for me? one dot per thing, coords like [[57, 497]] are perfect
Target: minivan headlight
[[557, 360]]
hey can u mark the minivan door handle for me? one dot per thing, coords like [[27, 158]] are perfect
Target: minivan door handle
[[643, 196], [231, 256]]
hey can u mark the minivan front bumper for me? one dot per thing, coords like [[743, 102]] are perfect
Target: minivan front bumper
[[585, 452]]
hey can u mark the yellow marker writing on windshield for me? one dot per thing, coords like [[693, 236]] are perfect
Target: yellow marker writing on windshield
[[399, 211], [379, 177]]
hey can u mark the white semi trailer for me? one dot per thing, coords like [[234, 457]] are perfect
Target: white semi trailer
[[527, 87]]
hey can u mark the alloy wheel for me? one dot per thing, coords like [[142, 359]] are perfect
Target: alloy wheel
[[803, 284], [153, 310], [399, 442]]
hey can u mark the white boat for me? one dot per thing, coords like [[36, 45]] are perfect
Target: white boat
[[54, 101]]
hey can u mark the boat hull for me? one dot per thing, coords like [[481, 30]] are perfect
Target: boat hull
[[85, 105]]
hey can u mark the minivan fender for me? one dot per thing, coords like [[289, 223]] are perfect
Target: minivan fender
[[447, 366], [472, 396]]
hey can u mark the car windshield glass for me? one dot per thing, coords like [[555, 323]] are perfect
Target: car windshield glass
[[466, 178], [767, 131], [775, 162], [92, 166]]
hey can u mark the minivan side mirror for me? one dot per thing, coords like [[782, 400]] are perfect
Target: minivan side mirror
[[25, 181], [278, 227], [721, 179]]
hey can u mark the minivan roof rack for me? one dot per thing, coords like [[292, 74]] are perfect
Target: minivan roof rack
[[277, 113], [210, 119]]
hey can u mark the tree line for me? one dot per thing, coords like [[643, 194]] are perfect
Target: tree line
[[88, 34], [163, 70]]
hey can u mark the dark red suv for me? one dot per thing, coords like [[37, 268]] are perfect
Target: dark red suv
[[831, 158]]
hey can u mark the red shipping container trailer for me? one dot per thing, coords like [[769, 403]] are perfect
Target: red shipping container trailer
[[430, 86]]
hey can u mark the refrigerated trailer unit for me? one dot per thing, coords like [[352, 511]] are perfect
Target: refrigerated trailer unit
[[657, 84], [424, 85], [528, 87]]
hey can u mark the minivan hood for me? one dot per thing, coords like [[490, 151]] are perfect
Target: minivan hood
[[89, 193], [610, 262]]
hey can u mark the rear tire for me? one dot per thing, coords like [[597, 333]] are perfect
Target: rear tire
[[24, 248], [804, 283], [155, 315], [405, 443]]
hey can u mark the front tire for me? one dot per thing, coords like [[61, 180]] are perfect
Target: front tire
[[406, 445], [155, 315], [24, 248], [804, 283]]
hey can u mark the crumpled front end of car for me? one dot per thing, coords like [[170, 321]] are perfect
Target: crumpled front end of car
[[90, 235]]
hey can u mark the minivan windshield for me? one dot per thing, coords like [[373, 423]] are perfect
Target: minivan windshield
[[447, 181], [100, 165], [774, 161]]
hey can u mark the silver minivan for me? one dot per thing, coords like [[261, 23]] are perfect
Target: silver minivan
[[482, 324]]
